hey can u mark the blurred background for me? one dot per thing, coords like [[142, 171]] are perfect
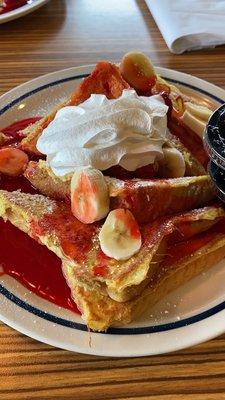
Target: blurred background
[[66, 33]]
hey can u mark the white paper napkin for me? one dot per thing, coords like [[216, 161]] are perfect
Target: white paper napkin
[[189, 24]]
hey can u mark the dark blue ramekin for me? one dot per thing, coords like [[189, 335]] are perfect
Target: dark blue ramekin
[[214, 142]]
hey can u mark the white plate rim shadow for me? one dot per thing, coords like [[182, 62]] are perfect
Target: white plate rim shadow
[[192, 314]]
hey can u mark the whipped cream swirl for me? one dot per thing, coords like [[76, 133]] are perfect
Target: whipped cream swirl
[[129, 131]]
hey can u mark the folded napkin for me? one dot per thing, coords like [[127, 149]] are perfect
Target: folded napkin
[[189, 24]]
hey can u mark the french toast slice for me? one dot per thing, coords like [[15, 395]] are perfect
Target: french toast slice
[[147, 199], [105, 79], [100, 312], [87, 270], [150, 199]]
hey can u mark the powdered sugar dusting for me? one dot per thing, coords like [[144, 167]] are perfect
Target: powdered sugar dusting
[[142, 183], [31, 203]]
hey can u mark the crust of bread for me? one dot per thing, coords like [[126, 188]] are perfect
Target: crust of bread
[[46, 182], [100, 312], [146, 199], [151, 199]]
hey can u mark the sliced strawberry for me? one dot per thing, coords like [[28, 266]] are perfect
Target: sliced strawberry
[[89, 195], [12, 161]]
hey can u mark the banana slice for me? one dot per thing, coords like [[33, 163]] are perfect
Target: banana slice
[[196, 117], [138, 70], [89, 195], [172, 165], [200, 112], [120, 237], [197, 125]]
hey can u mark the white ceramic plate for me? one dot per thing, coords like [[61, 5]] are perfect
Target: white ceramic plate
[[190, 315], [32, 5]]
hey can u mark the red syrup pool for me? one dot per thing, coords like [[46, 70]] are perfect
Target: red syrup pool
[[21, 257], [34, 266]]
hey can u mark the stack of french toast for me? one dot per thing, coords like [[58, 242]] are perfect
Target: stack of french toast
[[161, 225]]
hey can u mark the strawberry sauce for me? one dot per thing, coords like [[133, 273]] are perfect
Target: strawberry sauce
[[14, 129], [177, 251], [74, 237], [34, 266], [21, 257]]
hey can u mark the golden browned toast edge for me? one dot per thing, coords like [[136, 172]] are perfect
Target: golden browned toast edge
[[100, 312], [147, 199]]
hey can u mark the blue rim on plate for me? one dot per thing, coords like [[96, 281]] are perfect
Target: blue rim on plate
[[82, 327]]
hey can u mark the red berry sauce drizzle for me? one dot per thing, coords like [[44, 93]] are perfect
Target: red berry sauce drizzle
[[21, 257]]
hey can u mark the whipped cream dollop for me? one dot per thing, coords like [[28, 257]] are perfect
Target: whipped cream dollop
[[100, 133]]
